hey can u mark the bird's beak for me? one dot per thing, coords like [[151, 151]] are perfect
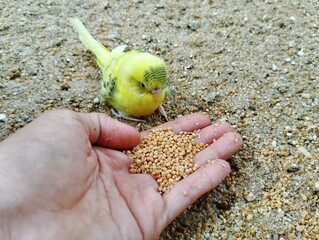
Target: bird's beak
[[157, 93]]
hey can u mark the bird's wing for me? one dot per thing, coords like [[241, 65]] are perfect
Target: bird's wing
[[108, 87]]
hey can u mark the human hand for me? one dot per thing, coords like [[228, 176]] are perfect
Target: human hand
[[63, 177]]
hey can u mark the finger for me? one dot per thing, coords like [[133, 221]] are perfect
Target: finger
[[223, 148], [108, 132], [212, 132], [187, 191], [186, 123]]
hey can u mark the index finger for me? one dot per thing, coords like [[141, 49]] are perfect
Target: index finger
[[187, 123]]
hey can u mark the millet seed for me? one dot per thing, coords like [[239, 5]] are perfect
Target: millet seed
[[167, 156]]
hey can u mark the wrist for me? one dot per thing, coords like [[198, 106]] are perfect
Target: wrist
[[8, 197], [6, 211]]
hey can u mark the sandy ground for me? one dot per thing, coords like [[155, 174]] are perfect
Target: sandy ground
[[254, 64]]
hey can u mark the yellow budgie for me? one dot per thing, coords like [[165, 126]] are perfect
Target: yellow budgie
[[134, 82]]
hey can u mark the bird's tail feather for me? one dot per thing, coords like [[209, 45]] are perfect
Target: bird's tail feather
[[101, 53]]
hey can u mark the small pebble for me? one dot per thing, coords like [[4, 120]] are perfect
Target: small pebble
[[2, 117], [193, 25], [210, 97], [300, 228], [301, 53], [316, 186], [274, 143], [293, 142], [274, 67], [293, 168], [96, 100], [291, 43], [306, 95], [250, 197], [28, 119], [287, 59], [280, 212], [14, 73], [288, 128], [249, 217], [112, 36], [304, 151]]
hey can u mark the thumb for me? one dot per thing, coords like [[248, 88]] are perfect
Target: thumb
[[108, 132]]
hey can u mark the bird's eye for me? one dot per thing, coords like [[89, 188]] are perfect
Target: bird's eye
[[142, 85]]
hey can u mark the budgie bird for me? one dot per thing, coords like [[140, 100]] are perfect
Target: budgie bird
[[134, 83]]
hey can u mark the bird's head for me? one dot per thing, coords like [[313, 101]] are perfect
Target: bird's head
[[148, 74]]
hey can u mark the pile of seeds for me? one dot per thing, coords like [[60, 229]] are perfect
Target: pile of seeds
[[167, 156]]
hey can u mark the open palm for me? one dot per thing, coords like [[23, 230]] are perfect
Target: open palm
[[65, 177]]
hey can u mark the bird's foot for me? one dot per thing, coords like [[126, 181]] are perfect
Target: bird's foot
[[119, 114], [162, 111]]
